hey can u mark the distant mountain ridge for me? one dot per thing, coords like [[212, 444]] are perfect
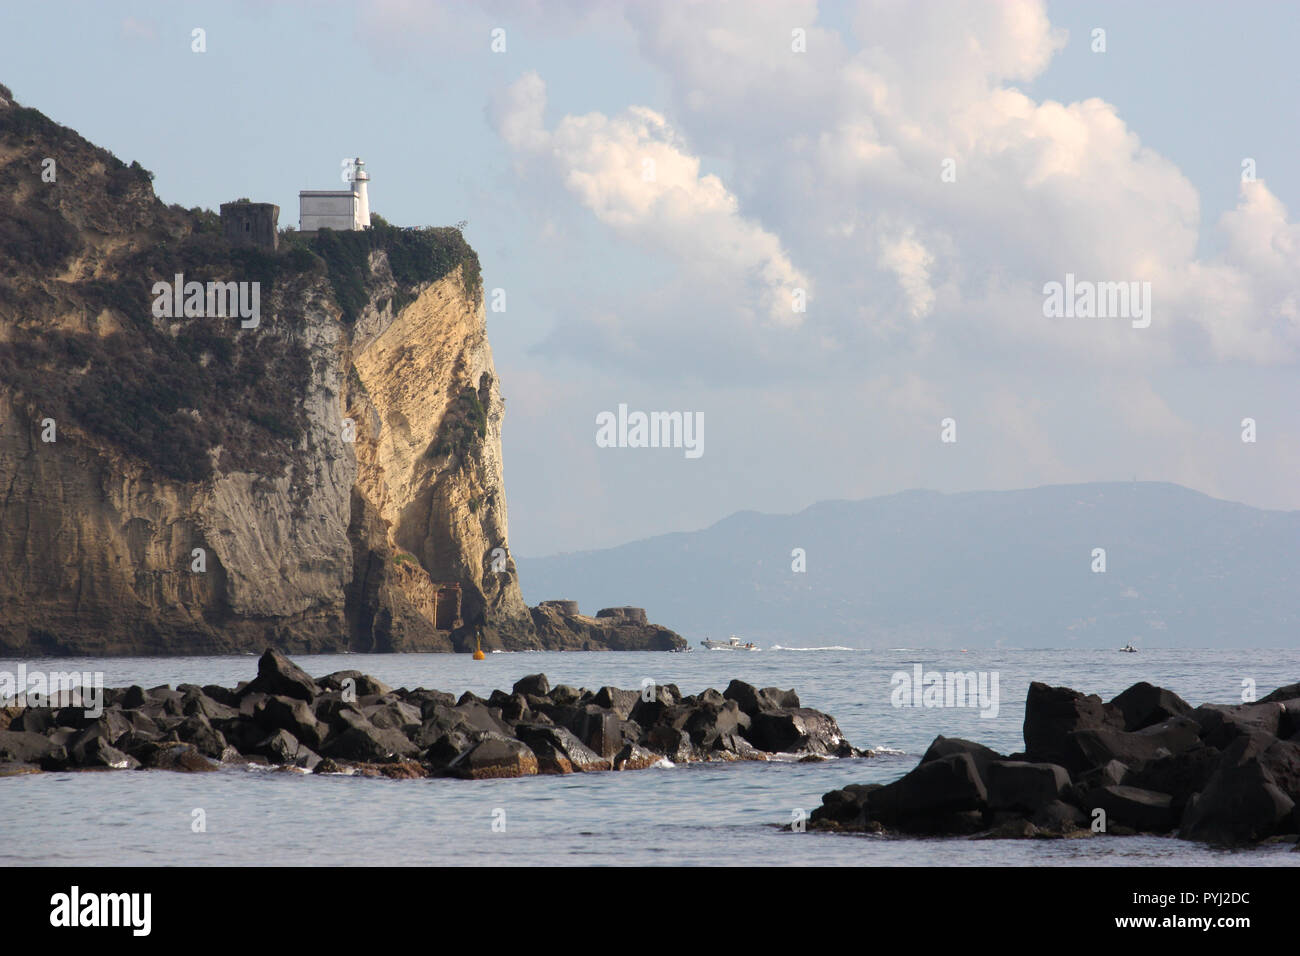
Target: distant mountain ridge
[[974, 569]]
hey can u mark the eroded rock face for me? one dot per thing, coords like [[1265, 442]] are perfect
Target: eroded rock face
[[327, 478], [560, 630], [288, 719], [432, 506]]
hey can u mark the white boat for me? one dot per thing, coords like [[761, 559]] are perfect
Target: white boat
[[733, 643], [1128, 649]]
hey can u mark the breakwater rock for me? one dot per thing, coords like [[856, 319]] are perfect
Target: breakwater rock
[[347, 722], [1146, 761]]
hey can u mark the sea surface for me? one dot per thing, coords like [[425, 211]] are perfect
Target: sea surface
[[721, 813]]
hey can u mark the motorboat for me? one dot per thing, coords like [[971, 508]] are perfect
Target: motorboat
[[732, 643]]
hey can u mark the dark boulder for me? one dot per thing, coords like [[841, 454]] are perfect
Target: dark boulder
[[925, 798], [96, 751], [394, 715], [37, 720], [326, 708], [252, 700], [1289, 692], [708, 721], [844, 806], [21, 746], [635, 757], [673, 742], [1052, 714], [162, 701], [290, 714], [222, 695], [442, 721], [495, 756], [481, 717], [752, 700], [182, 758], [197, 730], [567, 695], [141, 723], [1180, 775], [710, 696], [798, 730], [1059, 817], [426, 700], [1013, 785], [533, 684], [1145, 704], [943, 746], [84, 747], [284, 749], [1172, 736], [133, 697], [1134, 807], [1103, 776], [362, 685], [513, 707], [619, 701], [143, 748], [242, 733], [363, 742], [443, 748], [559, 751], [1251, 795], [648, 713], [1221, 725], [598, 729], [276, 674], [734, 745], [197, 701]]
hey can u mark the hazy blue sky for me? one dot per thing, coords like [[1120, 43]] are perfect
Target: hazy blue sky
[[776, 170]]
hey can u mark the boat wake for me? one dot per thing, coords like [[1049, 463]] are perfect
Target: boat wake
[[831, 647]]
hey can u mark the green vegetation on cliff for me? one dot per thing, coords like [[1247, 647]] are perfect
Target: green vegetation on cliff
[[91, 245], [415, 255]]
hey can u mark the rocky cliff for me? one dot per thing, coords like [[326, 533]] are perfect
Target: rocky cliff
[[324, 475]]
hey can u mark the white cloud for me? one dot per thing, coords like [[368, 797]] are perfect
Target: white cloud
[[929, 293], [636, 175], [910, 261], [855, 137]]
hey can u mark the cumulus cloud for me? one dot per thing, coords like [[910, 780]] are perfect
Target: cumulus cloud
[[637, 176], [903, 166], [844, 157]]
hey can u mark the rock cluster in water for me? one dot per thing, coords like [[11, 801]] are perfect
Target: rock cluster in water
[[349, 722], [1143, 762]]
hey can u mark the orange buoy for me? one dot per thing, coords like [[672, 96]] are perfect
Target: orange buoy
[[478, 649]]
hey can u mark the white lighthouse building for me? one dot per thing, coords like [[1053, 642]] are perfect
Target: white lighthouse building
[[343, 210]]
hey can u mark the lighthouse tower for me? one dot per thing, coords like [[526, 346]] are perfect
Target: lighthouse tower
[[359, 179], [343, 210]]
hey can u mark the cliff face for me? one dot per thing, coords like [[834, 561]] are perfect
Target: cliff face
[[325, 480], [428, 415]]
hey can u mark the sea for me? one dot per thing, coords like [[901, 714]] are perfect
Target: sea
[[730, 814]]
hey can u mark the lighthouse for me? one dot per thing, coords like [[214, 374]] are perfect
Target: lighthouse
[[343, 210], [359, 179]]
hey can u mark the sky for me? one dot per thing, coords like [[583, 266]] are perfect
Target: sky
[[827, 230]]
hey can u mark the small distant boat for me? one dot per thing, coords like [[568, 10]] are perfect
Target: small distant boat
[[1128, 649], [733, 643]]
